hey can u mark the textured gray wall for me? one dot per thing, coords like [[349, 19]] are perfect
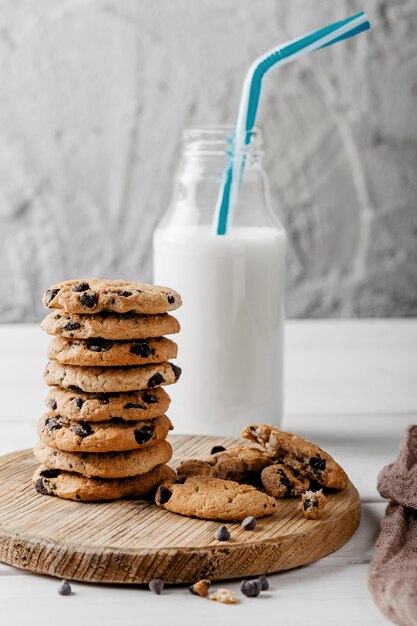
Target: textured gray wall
[[94, 97]]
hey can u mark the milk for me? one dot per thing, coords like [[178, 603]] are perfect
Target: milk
[[231, 339]]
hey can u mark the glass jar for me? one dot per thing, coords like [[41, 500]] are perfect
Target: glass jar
[[232, 286]]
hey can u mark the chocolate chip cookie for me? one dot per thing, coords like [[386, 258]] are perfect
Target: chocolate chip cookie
[[108, 353], [281, 481], [71, 486], [313, 504], [110, 379], [240, 464], [105, 464], [93, 295], [101, 407], [213, 498], [112, 436], [300, 454], [130, 326]]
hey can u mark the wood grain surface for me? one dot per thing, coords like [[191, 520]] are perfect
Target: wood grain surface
[[132, 542]]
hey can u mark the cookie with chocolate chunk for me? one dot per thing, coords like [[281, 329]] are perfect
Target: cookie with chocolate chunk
[[213, 498], [129, 326], [59, 432], [281, 481], [101, 407], [93, 295], [302, 455], [239, 464], [108, 353], [313, 503], [109, 379], [71, 486], [105, 464]]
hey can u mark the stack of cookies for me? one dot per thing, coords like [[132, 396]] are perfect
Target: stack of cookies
[[104, 434]]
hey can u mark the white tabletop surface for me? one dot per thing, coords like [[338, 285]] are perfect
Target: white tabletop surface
[[351, 386]]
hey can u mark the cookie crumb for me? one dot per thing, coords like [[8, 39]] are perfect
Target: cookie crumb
[[224, 595], [200, 588], [313, 503]]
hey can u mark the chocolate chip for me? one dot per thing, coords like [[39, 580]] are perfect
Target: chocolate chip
[[71, 326], [83, 429], [64, 588], [285, 481], [50, 295], [149, 398], [99, 345], [306, 504], [155, 380], [41, 487], [133, 405], [117, 420], [177, 371], [142, 349], [142, 435], [78, 402], [156, 586], [81, 287], [263, 581], [317, 463], [163, 495], [216, 449], [89, 300], [57, 317], [249, 523], [52, 424], [50, 473], [74, 388], [125, 294], [250, 588], [53, 404], [170, 298], [222, 534]]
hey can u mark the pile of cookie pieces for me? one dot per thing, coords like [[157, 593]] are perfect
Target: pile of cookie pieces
[[104, 434], [247, 481]]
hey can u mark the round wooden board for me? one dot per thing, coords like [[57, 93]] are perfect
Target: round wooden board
[[133, 541]]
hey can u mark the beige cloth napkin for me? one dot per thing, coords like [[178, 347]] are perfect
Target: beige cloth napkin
[[393, 571]]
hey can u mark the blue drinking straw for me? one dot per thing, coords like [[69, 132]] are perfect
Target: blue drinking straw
[[249, 100]]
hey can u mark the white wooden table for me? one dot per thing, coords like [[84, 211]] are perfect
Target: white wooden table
[[351, 386]]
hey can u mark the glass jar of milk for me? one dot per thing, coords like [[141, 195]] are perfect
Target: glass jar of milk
[[231, 343]]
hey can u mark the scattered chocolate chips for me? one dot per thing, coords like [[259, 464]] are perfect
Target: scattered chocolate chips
[[83, 429], [200, 588], [52, 424], [143, 434], [177, 371], [149, 398], [308, 503], [317, 463], [133, 405], [64, 588], [249, 523], [216, 449], [263, 581], [155, 380], [222, 534], [285, 481], [142, 349], [99, 345], [50, 295], [156, 586], [170, 298], [41, 487], [78, 402], [53, 404], [125, 294], [250, 588], [163, 495], [71, 326], [80, 287], [89, 300], [50, 473]]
